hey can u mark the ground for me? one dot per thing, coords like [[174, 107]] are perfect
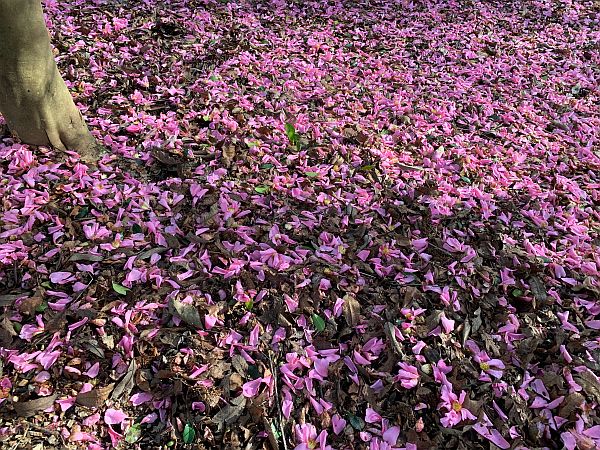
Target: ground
[[334, 223]]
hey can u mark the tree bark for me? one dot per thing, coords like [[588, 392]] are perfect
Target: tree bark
[[34, 99]]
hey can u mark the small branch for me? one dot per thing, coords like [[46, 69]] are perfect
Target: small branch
[[279, 412]]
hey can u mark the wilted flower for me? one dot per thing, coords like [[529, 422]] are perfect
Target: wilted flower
[[453, 404]]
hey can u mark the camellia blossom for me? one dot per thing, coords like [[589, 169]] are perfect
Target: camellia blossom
[[307, 438], [408, 376], [455, 411]]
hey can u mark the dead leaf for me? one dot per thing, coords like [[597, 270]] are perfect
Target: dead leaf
[[127, 382], [538, 289], [219, 369], [167, 158], [240, 364], [230, 413], [148, 253], [7, 326], [30, 304], [573, 401], [188, 313], [57, 323], [351, 310], [228, 154], [589, 383], [96, 397], [85, 257], [9, 299], [32, 407]]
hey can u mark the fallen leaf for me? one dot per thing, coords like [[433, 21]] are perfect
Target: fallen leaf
[[127, 382], [96, 397], [31, 407], [187, 312], [351, 310], [230, 413], [30, 304], [228, 154]]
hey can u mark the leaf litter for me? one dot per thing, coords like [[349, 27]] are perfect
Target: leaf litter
[[320, 225]]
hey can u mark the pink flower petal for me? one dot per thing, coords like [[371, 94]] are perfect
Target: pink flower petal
[[114, 416], [250, 389]]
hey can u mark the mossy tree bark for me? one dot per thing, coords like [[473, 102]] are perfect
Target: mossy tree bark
[[34, 99]]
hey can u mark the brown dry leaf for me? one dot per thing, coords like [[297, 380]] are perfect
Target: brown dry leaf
[[88, 257], [57, 323], [587, 380], [166, 157], [219, 369], [127, 382], [538, 289], [31, 407], [228, 154], [240, 364], [230, 413], [96, 397], [351, 310], [573, 401], [188, 313], [8, 299], [30, 304], [7, 326]]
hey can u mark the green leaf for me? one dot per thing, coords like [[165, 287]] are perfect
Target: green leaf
[[275, 431], [261, 189], [249, 305], [42, 307], [134, 433], [136, 228], [290, 131], [356, 422], [318, 322], [517, 293], [312, 174], [267, 166], [466, 179], [119, 289], [253, 372], [189, 433], [82, 212], [367, 168]]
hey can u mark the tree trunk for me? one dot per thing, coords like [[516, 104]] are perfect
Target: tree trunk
[[34, 99]]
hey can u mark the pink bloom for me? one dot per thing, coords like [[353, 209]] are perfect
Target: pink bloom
[[407, 376], [372, 416], [250, 389], [487, 430], [338, 423], [138, 399], [454, 406], [61, 277], [391, 435], [440, 370], [114, 416], [447, 324], [488, 365], [306, 436]]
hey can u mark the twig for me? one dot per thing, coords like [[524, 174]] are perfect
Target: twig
[[280, 415], [41, 429]]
